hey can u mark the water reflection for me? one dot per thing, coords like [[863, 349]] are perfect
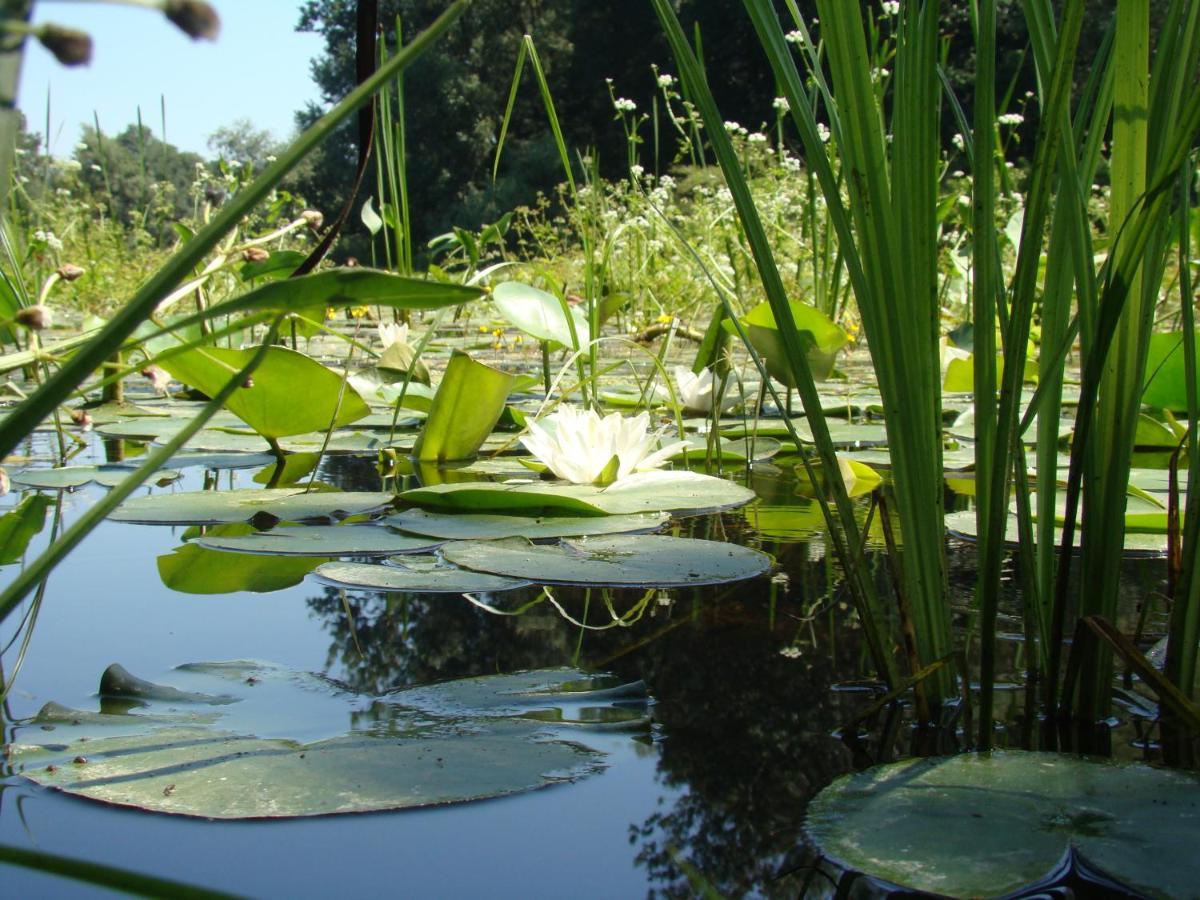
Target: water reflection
[[742, 676]]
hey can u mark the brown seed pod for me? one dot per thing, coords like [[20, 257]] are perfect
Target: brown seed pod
[[194, 18]]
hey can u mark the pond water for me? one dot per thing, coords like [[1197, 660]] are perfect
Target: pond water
[[750, 681]]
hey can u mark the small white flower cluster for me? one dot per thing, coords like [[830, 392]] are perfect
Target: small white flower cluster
[[624, 105], [790, 652], [736, 129], [1010, 119], [959, 141], [781, 104], [636, 171], [49, 238], [880, 73], [796, 36], [665, 81], [891, 7], [823, 132], [757, 138]]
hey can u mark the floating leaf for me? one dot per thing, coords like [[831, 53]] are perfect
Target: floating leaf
[[962, 525], [321, 540], [76, 476], [195, 569], [267, 403], [653, 560], [282, 750], [986, 824], [484, 527], [214, 507], [415, 574], [727, 451], [18, 527], [679, 492]]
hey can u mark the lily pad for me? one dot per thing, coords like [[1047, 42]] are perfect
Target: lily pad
[[987, 824], [213, 507], [484, 527], [322, 540], [77, 476], [678, 492], [962, 525], [417, 575], [193, 569], [282, 749], [644, 561]]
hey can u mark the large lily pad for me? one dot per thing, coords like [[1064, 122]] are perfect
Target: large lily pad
[[963, 525], [415, 574], [214, 507], [678, 492], [653, 560], [282, 750], [322, 540], [484, 527], [986, 824], [193, 569], [76, 476]]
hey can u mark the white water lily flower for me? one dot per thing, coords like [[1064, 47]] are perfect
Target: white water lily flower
[[696, 391], [579, 446], [393, 333]]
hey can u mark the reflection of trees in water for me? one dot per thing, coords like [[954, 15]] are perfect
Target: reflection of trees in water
[[746, 730]]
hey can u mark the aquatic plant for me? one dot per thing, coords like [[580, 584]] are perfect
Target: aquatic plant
[[583, 447]]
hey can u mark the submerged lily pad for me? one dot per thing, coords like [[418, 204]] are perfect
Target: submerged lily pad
[[77, 476], [282, 749], [212, 507], [986, 824], [653, 560], [322, 540], [415, 574], [484, 527]]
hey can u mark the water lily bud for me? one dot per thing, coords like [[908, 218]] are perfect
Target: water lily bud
[[82, 418], [38, 317], [255, 254], [194, 17], [5, 484], [69, 271], [158, 378], [314, 218], [70, 46]]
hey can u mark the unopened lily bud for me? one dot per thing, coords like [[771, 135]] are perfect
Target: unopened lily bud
[[69, 271], [82, 418], [255, 254], [5, 484], [314, 218], [158, 378], [194, 17], [70, 46], [38, 317]]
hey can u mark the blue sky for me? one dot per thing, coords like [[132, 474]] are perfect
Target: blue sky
[[258, 70]]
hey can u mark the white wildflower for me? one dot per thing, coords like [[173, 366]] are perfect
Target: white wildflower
[[665, 81], [796, 36], [636, 171], [781, 104], [757, 138], [823, 132], [959, 141], [891, 7], [734, 128], [1010, 119], [624, 104], [393, 333], [580, 446], [790, 652]]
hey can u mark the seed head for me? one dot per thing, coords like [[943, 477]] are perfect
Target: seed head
[[255, 254], [70, 271], [314, 218], [194, 17], [70, 46], [37, 317]]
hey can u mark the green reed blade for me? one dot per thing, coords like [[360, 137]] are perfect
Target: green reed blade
[[695, 82]]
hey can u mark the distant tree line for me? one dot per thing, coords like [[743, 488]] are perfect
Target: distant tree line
[[456, 94]]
